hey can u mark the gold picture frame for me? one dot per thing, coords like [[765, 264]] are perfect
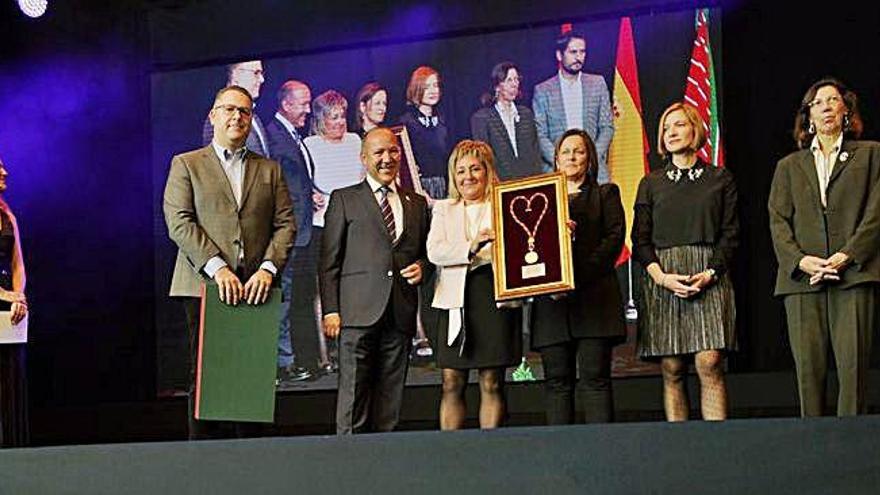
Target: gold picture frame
[[532, 245], [408, 175]]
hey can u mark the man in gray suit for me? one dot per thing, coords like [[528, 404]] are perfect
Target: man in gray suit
[[573, 99], [229, 212], [248, 75], [372, 258]]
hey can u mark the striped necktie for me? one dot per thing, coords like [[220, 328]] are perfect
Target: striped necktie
[[387, 213]]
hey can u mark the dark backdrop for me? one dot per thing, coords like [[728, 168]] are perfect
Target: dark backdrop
[[75, 135]]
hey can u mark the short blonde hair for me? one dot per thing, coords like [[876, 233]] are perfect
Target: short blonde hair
[[693, 117], [483, 153]]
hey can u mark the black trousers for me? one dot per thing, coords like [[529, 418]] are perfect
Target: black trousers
[[589, 358], [304, 333], [373, 362], [204, 430]]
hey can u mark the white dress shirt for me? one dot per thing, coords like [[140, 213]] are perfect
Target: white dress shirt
[[824, 168], [233, 163], [509, 119], [393, 201], [572, 101]]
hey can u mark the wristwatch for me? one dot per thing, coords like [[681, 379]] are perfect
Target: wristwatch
[[711, 272]]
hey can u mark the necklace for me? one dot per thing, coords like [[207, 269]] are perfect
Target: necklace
[[531, 256]]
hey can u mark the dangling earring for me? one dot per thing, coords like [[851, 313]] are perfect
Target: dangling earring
[[812, 128], [846, 122]]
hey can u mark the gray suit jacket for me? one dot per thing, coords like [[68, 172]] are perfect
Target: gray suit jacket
[[487, 126], [550, 117], [850, 223], [360, 268], [205, 221]]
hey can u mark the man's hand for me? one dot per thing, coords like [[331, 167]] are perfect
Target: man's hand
[[231, 291], [332, 324], [412, 273], [19, 311], [256, 290]]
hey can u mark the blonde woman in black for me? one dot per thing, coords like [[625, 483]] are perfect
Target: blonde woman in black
[[684, 234]]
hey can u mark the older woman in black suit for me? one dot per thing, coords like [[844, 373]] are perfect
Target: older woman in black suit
[[577, 331], [509, 128], [825, 222]]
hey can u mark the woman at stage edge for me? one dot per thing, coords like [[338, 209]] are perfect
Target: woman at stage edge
[[13, 369], [684, 234], [577, 331], [825, 223], [474, 333]]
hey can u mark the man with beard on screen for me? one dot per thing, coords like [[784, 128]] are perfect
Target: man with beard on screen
[[573, 99]]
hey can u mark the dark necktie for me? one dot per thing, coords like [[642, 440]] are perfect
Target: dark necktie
[[387, 213]]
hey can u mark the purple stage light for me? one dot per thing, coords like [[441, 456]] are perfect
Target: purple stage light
[[33, 8]]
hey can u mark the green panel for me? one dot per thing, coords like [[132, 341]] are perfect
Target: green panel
[[237, 363]]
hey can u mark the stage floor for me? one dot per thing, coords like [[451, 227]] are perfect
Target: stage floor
[[756, 456]]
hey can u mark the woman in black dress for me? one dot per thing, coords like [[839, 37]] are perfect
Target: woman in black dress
[[684, 234], [473, 332], [13, 384], [577, 331], [427, 130]]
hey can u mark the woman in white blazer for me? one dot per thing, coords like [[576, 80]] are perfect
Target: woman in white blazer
[[473, 333]]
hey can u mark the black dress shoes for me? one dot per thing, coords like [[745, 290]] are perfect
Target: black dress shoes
[[291, 374]]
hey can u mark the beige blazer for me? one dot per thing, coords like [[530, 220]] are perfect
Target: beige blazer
[[448, 249], [204, 219]]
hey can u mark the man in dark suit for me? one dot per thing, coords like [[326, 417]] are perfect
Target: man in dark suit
[[229, 212], [372, 258], [248, 75], [286, 146]]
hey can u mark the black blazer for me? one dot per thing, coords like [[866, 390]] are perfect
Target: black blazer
[[595, 307], [487, 126], [359, 271], [284, 150]]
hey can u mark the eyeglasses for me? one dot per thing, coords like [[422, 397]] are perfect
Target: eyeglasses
[[831, 101], [231, 109]]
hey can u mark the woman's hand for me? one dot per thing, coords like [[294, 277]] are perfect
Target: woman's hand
[[483, 237], [677, 284], [701, 280], [19, 311], [11, 296], [812, 265]]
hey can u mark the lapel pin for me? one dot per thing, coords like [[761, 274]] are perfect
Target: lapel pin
[[844, 156]]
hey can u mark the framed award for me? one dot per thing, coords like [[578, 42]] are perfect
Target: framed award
[[532, 241], [408, 175]]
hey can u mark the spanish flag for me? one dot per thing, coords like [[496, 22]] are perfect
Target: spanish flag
[[628, 155]]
